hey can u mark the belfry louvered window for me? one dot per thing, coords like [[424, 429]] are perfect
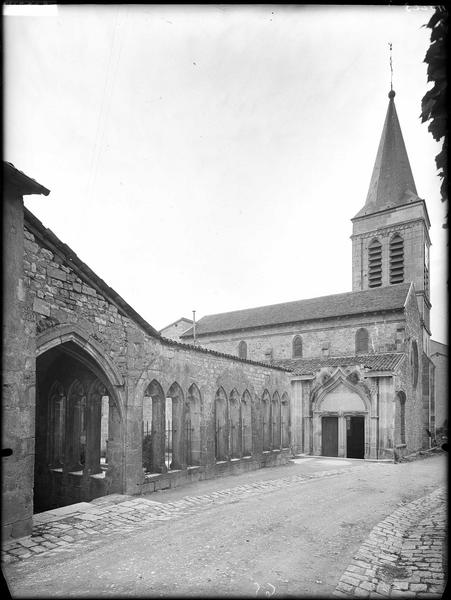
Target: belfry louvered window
[[396, 259], [374, 264]]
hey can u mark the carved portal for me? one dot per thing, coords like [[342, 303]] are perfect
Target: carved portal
[[341, 414]]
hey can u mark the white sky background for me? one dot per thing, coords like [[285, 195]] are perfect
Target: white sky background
[[211, 157]]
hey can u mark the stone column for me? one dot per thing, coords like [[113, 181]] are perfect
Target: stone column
[[18, 375], [341, 434], [158, 434], [373, 424], [93, 429]]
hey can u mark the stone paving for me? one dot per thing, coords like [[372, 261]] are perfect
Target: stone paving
[[404, 555], [66, 529]]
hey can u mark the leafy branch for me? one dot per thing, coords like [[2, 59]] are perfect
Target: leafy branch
[[434, 102]]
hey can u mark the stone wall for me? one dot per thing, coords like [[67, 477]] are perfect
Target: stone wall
[[66, 305], [417, 407], [18, 376], [439, 355], [331, 337]]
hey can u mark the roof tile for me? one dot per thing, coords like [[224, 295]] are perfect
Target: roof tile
[[375, 362], [391, 297]]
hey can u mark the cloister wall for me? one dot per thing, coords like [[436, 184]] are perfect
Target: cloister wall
[[63, 300]]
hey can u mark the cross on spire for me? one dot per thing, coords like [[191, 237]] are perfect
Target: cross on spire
[[391, 70]]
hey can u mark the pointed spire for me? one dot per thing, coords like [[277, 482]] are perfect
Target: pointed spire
[[392, 181]]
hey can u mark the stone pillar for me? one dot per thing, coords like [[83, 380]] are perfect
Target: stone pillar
[[308, 439], [93, 428], [18, 374], [341, 434], [373, 423], [158, 434]]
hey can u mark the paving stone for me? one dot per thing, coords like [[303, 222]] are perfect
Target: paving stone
[[418, 587]]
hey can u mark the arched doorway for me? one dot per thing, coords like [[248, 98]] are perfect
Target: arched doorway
[[78, 453], [341, 418]]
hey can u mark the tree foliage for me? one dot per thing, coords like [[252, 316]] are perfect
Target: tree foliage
[[434, 103]]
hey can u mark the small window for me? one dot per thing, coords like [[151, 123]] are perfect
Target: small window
[[242, 350], [361, 341], [396, 259], [297, 347], [375, 264]]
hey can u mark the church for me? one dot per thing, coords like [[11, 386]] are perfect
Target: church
[[96, 401], [362, 379]]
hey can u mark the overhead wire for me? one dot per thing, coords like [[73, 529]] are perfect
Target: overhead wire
[[109, 83]]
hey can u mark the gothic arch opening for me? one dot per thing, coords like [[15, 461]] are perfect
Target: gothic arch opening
[[221, 426], [246, 424], [174, 416], [78, 454], [276, 420], [193, 420], [235, 424], [341, 418], [400, 419], [285, 416], [153, 427], [266, 420]]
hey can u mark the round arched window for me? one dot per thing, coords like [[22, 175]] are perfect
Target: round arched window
[[414, 362], [242, 349]]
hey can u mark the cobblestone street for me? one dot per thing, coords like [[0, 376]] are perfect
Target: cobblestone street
[[403, 555], [400, 556]]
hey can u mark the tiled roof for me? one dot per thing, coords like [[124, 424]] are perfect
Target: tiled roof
[[337, 305], [26, 184], [374, 362]]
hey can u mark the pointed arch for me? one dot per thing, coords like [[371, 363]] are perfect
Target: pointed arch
[[246, 423], [234, 424], [193, 420], [266, 420], [285, 417], [174, 421], [340, 377], [221, 425], [275, 422], [400, 418], [153, 437]]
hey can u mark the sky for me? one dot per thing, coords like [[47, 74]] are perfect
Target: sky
[[210, 158]]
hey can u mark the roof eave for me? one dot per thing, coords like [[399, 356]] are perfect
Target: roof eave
[[25, 185]]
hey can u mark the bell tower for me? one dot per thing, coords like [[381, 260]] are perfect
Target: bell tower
[[390, 239]]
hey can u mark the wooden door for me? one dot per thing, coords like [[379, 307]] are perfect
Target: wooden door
[[329, 438], [355, 437]]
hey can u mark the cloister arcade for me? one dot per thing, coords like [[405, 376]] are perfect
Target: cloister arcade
[[78, 428], [175, 426]]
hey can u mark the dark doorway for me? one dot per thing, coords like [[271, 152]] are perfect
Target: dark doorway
[[329, 438], [355, 437]]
